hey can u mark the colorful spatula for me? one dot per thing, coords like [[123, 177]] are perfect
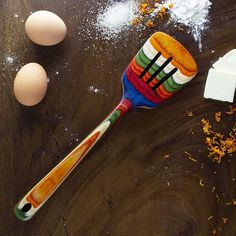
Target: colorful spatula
[[160, 69]]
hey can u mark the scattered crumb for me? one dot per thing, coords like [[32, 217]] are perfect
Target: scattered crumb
[[201, 183], [213, 189], [202, 165], [234, 202], [168, 183], [190, 156]]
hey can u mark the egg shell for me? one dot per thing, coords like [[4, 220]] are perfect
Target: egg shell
[[45, 28], [30, 84]]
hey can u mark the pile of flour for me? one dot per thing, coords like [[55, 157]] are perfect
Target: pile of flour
[[116, 18], [192, 13]]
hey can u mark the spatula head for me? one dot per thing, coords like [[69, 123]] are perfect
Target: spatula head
[[161, 68]]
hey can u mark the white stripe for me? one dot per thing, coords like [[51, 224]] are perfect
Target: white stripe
[[179, 78], [151, 52]]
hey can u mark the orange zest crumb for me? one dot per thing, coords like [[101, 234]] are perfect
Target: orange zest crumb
[[136, 21], [232, 110], [225, 220], [150, 9], [206, 126], [170, 5], [167, 156], [190, 156], [228, 203], [162, 12], [218, 116], [217, 197], [210, 217], [189, 113], [146, 8], [214, 231], [191, 131], [149, 24], [201, 183], [218, 144], [234, 202], [180, 28]]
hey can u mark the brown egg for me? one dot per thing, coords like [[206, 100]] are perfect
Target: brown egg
[[30, 84], [45, 28]]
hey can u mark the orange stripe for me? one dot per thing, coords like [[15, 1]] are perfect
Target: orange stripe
[[175, 50], [43, 190], [138, 69], [163, 92]]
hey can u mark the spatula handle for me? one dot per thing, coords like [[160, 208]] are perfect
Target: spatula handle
[[41, 192]]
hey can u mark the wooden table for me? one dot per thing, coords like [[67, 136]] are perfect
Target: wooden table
[[138, 180]]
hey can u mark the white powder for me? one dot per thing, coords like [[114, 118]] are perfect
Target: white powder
[[116, 18], [96, 90], [192, 13]]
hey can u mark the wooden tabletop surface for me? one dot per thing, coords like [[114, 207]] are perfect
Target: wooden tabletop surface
[[138, 180]]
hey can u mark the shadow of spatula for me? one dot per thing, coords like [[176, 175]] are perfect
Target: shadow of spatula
[[160, 69]]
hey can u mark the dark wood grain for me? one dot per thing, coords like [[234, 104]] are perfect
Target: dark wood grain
[[125, 186]]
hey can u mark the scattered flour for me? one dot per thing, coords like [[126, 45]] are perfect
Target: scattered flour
[[113, 20], [9, 60], [192, 13], [96, 90]]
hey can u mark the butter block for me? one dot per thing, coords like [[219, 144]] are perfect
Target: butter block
[[220, 85], [227, 62]]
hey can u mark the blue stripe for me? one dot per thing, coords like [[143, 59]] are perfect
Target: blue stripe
[[131, 93]]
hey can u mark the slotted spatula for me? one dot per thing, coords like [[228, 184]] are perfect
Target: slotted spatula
[[160, 69]]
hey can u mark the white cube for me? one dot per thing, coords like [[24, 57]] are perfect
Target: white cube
[[220, 85]]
